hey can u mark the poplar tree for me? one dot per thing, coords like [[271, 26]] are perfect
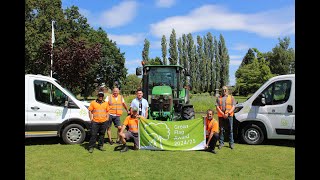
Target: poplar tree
[[218, 63], [173, 48], [164, 49], [211, 63], [201, 74], [145, 51], [191, 58], [180, 48], [224, 60]]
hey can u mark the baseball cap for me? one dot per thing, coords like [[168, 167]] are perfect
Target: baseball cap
[[135, 109], [100, 93]]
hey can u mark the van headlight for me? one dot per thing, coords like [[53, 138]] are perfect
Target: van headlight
[[237, 108]]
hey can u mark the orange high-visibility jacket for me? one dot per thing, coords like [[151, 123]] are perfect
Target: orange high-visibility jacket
[[115, 105], [132, 123], [228, 105], [99, 111], [213, 126]]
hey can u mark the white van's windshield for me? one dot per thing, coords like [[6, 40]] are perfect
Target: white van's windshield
[[67, 90], [70, 92]]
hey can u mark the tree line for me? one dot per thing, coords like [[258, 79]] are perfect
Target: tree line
[[207, 61], [257, 67]]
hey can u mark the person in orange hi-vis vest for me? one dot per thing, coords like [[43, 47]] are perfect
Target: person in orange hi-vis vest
[[132, 121], [212, 131], [225, 105], [98, 114], [116, 102]]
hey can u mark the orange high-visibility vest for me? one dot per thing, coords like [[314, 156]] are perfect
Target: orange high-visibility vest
[[99, 111], [115, 105], [228, 105], [132, 123]]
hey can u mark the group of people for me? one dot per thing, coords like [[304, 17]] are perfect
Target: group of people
[[103, 112]]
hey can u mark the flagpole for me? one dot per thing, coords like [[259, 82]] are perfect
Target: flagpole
[[52, 41]]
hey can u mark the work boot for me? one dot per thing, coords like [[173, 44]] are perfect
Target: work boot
[[220, 146], [111, 142], [101, 148], [213, 151], [135, 148], [124, 149], [90, 150], [119, 142], [231, 146]]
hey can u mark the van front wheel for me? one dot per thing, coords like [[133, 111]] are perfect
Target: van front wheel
[[252, 134], [73, 134]]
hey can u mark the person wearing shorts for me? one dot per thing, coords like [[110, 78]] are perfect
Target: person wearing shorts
[[116, 102]]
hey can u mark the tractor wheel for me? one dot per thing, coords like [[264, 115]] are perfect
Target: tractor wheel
[[188, 113]]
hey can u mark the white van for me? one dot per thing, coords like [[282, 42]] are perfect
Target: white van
[[269, 113], [51, 110]]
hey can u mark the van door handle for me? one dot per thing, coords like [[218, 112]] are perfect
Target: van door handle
[[35, 108], [289, 108]]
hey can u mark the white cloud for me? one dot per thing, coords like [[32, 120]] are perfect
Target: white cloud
[[165, 3], [240, 47], [235, 57], [128, 40], [268, 24], [156, 44], [118, 15], [235, 62]]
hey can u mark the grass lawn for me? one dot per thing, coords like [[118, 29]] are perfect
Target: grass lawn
[[48, 158]]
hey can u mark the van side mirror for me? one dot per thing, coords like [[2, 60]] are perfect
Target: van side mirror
[[260, 100], [66, 102], [139, 71], [263, 99]]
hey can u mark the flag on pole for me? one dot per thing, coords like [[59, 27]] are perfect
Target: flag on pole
[[52, 36]]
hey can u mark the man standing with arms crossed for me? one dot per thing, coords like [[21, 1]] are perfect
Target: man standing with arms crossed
[[225, 106], [116, 102]]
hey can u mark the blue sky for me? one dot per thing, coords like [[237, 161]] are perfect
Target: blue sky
[[244, 24]]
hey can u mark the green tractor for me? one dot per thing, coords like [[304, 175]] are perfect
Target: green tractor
[[163, 89]]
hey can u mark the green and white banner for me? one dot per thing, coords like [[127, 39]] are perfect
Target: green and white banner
[[172, 135]]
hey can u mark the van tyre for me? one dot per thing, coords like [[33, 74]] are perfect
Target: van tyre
[[188, 113], [73, 134], [252, 134]]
